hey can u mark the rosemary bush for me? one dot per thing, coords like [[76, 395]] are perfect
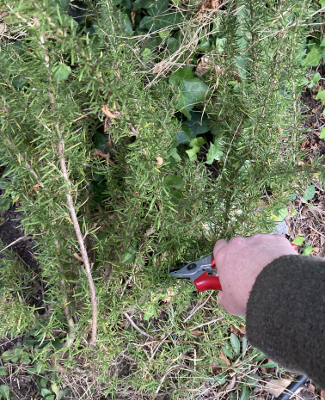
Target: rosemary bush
[[117, 183]]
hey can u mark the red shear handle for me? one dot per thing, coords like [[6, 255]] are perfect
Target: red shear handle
[[207, 282]]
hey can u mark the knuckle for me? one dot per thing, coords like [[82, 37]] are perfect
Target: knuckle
[[237, 241]]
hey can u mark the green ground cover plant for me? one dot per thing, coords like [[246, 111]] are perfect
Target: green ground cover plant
[[134, 135]]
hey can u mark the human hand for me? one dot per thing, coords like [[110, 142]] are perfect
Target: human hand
[[240, 261]]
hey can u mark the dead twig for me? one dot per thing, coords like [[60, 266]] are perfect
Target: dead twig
[[136, 327], [26, 237], [82, 246], [197, 308]]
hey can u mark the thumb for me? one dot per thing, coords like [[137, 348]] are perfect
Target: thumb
[[221, 299]]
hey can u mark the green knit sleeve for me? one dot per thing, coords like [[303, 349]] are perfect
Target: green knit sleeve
[[286, 315]]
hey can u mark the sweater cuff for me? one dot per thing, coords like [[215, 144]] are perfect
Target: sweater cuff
[[285, 316]]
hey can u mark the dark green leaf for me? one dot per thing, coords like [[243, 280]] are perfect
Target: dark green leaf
[[126, 25], [192, 91], [100, 141], [19, 81], [152, 42], [130, 254], [172, 44], [184, 136], [185, 73], [221, 378], [3, 183], [64, 392], [198, 123], [7, 355], [309, 193], [45, 392], [252, 380], [157, 7], [61, 72], [161, 21], [4, 204], [174, 182], [176, 196], [313, 58], [3, 371]]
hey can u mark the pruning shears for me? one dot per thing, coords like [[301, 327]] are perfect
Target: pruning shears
[[202, 273]]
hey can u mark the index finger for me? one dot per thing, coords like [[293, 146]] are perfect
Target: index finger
[[218, 246]]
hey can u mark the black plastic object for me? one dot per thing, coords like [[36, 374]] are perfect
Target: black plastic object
[[289, 391]]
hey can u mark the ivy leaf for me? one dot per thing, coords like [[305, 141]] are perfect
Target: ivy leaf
[[61, 72], [19, 81], [156, 7], [198, 123], [4, 392], [161, 21], [150, 312], [322, 133], [321, 96], [64, 392], [197, 142], [215, 152], [299, 240], [183, 136], [309, 193], [174, 182], [173, 152], [172, 44], [176, 196], [126, 24], [313, 58], [45, 392], [315, 80], [191, 90], [180, 75], [281, 214], [130, 254], [307, 249], [192, 153]]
